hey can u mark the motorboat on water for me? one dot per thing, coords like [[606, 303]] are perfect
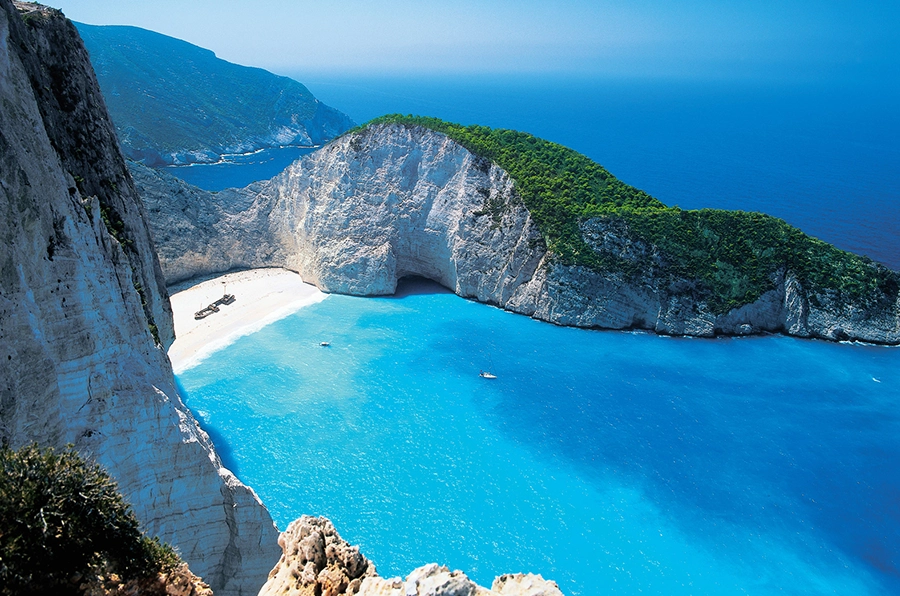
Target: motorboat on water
[[486, 375]]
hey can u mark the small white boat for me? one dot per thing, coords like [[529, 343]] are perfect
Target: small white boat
[[486, 375], [324, 344]]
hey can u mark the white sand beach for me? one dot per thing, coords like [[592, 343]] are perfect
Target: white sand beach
[[262, 296]]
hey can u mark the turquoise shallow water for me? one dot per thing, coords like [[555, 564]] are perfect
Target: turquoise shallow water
[[611, 462]]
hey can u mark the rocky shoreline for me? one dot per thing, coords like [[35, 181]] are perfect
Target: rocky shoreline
[[85, 317]]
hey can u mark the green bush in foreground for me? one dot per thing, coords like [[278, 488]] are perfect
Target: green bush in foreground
[[732, 254], [62, 517]]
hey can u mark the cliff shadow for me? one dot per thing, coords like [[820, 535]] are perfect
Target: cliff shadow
[[416, 285]]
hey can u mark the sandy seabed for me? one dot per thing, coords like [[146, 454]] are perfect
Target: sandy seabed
[[262, 296]]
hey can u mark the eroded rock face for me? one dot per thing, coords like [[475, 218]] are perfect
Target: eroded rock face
[[83, 302], [428, 580], [198, 232], [396, 200], [525, 584], [316, 561]]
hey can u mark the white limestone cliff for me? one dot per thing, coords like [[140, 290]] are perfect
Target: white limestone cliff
[[85, 317], [396, 200], [198, 232]]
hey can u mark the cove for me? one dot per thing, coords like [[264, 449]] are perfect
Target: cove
[[610, 462], [239, 169]]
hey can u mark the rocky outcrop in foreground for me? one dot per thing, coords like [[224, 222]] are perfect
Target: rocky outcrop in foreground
[[85, 317], [317, 561], [395, 200], [437, 580]]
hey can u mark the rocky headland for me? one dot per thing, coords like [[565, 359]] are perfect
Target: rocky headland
[[175, 103], [398, 199], [85, 317]]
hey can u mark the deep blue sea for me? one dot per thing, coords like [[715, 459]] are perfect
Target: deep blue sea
[[619, 463]]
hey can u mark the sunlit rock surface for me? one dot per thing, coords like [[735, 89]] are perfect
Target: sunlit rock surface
[[315, 560]]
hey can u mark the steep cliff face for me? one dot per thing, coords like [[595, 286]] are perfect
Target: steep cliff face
[[374, 207], [84, 314], [395, 200], [198, 232]]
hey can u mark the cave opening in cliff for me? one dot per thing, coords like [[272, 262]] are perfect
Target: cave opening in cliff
[[413, 285]]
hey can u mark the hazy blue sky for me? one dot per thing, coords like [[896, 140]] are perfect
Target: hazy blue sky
[[697, 38]]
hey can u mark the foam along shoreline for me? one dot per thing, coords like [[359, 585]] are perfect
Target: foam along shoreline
[[262, 296]]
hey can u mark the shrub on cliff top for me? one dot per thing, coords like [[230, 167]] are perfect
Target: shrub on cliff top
[[62, 518]]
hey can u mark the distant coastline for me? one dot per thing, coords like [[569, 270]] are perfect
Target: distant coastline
[[229, 158], [236, 170]]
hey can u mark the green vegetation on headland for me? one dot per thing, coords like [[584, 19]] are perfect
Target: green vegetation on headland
[[62, 519], [733, 255]]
